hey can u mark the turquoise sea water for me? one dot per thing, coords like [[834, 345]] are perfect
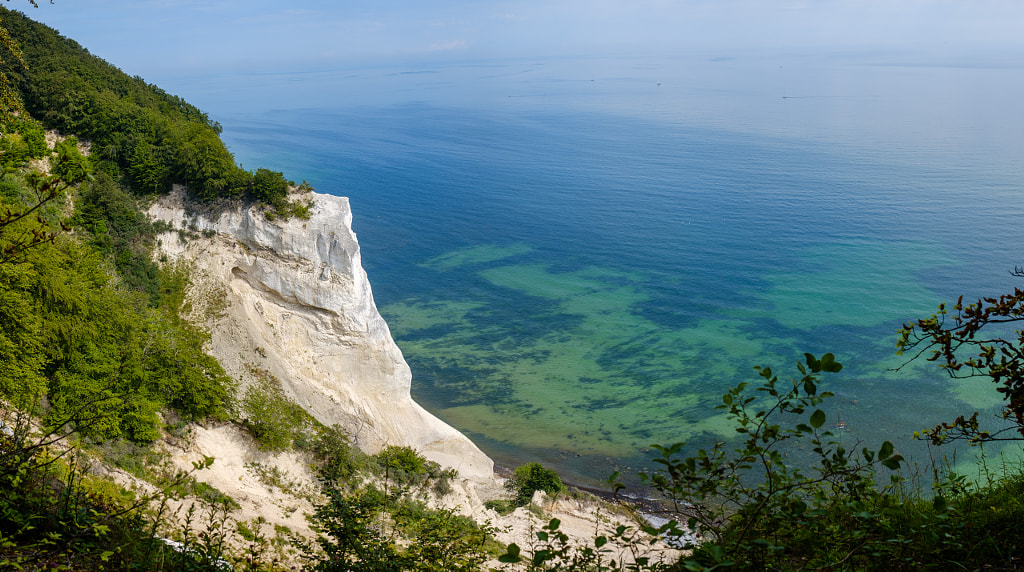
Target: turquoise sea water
[[579, 256]]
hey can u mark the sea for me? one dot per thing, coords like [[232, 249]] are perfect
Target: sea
[[579, 256]]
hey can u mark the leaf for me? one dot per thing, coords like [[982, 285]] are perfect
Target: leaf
[[892, 463], [809, 387], [829, 364], [886, 451], [812, 362], [817, 418]]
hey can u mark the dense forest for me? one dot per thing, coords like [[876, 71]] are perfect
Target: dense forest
[[141, 136], [97, 364]]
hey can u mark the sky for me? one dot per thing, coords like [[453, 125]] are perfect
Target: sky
[[155, 38]]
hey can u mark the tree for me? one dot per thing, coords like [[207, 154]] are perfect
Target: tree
[[349, 537], [10, 101], [34, 3], [530, 478], [19, 232], [956, 340]]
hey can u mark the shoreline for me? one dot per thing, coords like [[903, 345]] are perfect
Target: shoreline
[[646, 506]]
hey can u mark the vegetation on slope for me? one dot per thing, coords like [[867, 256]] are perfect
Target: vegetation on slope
[[140, 134]]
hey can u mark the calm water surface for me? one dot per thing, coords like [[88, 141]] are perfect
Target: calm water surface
[[579, 256]]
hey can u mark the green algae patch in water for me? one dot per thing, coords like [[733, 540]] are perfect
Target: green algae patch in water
[[978, 392], [600, 380], [536, 357], [852, 283], [406, 317], [476, 255]]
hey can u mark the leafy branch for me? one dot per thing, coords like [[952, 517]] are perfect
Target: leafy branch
[[954, 338]]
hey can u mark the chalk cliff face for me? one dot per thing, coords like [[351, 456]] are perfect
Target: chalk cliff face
[[292, 298]]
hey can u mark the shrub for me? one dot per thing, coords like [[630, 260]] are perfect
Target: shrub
[[337, 460], [405, 459], [272, 419], [757, 510], [500, 506], [530, 478]]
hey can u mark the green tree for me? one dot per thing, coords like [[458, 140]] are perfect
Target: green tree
[[21, 337], [22, 226], [530, 478], [446, 542], [350, 537], [272, 419], [10, 99]]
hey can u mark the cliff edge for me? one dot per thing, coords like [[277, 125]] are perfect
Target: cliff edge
[[291, 297]]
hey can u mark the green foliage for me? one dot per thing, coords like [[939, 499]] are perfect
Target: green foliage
[[624, 548], [350, 538], [71, 333], [22, 140], [530, 478], [404, 459], [22, 358], [271, 418], [955, 340], [759, 510], [337, 460], [354, 534], [118, 229], [69, 164], [404, 467], [54, 516], [155, 139], [113, 355], [10, 55], [36, 197], [758, 506], [443, 541], [500, 506]]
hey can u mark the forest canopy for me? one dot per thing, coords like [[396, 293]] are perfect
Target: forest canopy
[[139, 133]]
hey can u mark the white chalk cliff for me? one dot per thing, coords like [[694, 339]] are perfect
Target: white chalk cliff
[[291, 297]]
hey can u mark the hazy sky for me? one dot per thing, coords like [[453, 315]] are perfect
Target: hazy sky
[[157, 37]]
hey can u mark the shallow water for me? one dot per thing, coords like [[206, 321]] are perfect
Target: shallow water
[[579, 257]]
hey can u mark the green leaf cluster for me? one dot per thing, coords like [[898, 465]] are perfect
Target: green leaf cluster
[[55, 516], [23, 140], [621, 549], [106, 358], [273, 420], [367, 531], [530, 478]]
